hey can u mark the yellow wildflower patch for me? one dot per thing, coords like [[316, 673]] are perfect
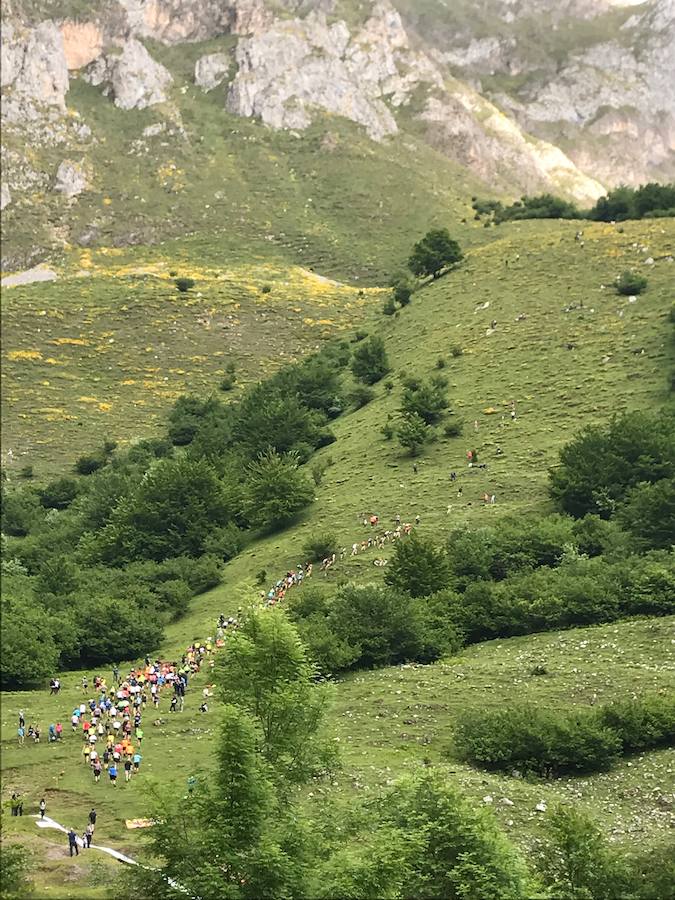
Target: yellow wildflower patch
[[24, 354], [128, 381], [87, 400], [75, 342], [105, 407]]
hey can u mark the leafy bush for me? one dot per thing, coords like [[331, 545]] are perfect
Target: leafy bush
[[360, 396], [427, 399], [402, 289], [413, 433], [544, 742], [630, 282], [643, 723], [184, 284], [456, 350], [389, 307], [20, 510], [266, 289], [276, 491], [320, 546], [187, 416], [89, 463], [60, 493], [601, 464], [26, 472], [29, 651], [122, 631], [453, 428], [453, 848], [171, 512], [648, 514], [418, 567], [535, 740], [370, 363], [227, 383]]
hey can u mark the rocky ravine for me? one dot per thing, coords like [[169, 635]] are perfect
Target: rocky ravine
[[297, 59]]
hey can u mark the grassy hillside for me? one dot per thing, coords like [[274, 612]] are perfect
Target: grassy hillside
[[113, 336], [385, 723], [565, 364], [325, 200], [556, 390]]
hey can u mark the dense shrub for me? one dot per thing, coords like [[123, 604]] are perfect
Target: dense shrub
[[29, 654], [184, 284], [360, 396], [370, 363], [453, 428], [276, 491], [426, 399], [544, 742], [417, 567], [389, 307], [648, 514], [60, 493], [602, 463], [20, 510], [642, 724], [455, 849], [321, 545], [413, 433], [402, 288], [89, 463], [535, 740], [630, 282]]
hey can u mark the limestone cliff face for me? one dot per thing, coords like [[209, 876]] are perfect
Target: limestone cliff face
[[604, 90], [563, 95]]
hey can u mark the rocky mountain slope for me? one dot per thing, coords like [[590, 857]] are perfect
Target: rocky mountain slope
[[529, 96]]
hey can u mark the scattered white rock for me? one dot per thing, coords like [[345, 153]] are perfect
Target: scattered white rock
[[541, 806], [29, 276], [71, 178], [5, 196], [210, 70]]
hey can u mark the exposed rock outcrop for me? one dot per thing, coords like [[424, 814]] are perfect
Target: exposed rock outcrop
[[34, 70], [71, 178], [82, 43], [5, 196], [211, 70], [132, 77], [296, 67]]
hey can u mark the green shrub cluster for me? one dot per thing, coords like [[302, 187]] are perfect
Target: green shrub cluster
[[647, 201], [548, 743], [128, 546]]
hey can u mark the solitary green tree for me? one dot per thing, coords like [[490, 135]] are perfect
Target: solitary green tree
[[435, 252]]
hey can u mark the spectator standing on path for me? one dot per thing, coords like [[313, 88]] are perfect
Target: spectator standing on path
[[72, 842], [88, 835], [92, 817], [43, 808]]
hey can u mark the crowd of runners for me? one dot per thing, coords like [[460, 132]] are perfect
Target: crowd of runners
[[110, 718]]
